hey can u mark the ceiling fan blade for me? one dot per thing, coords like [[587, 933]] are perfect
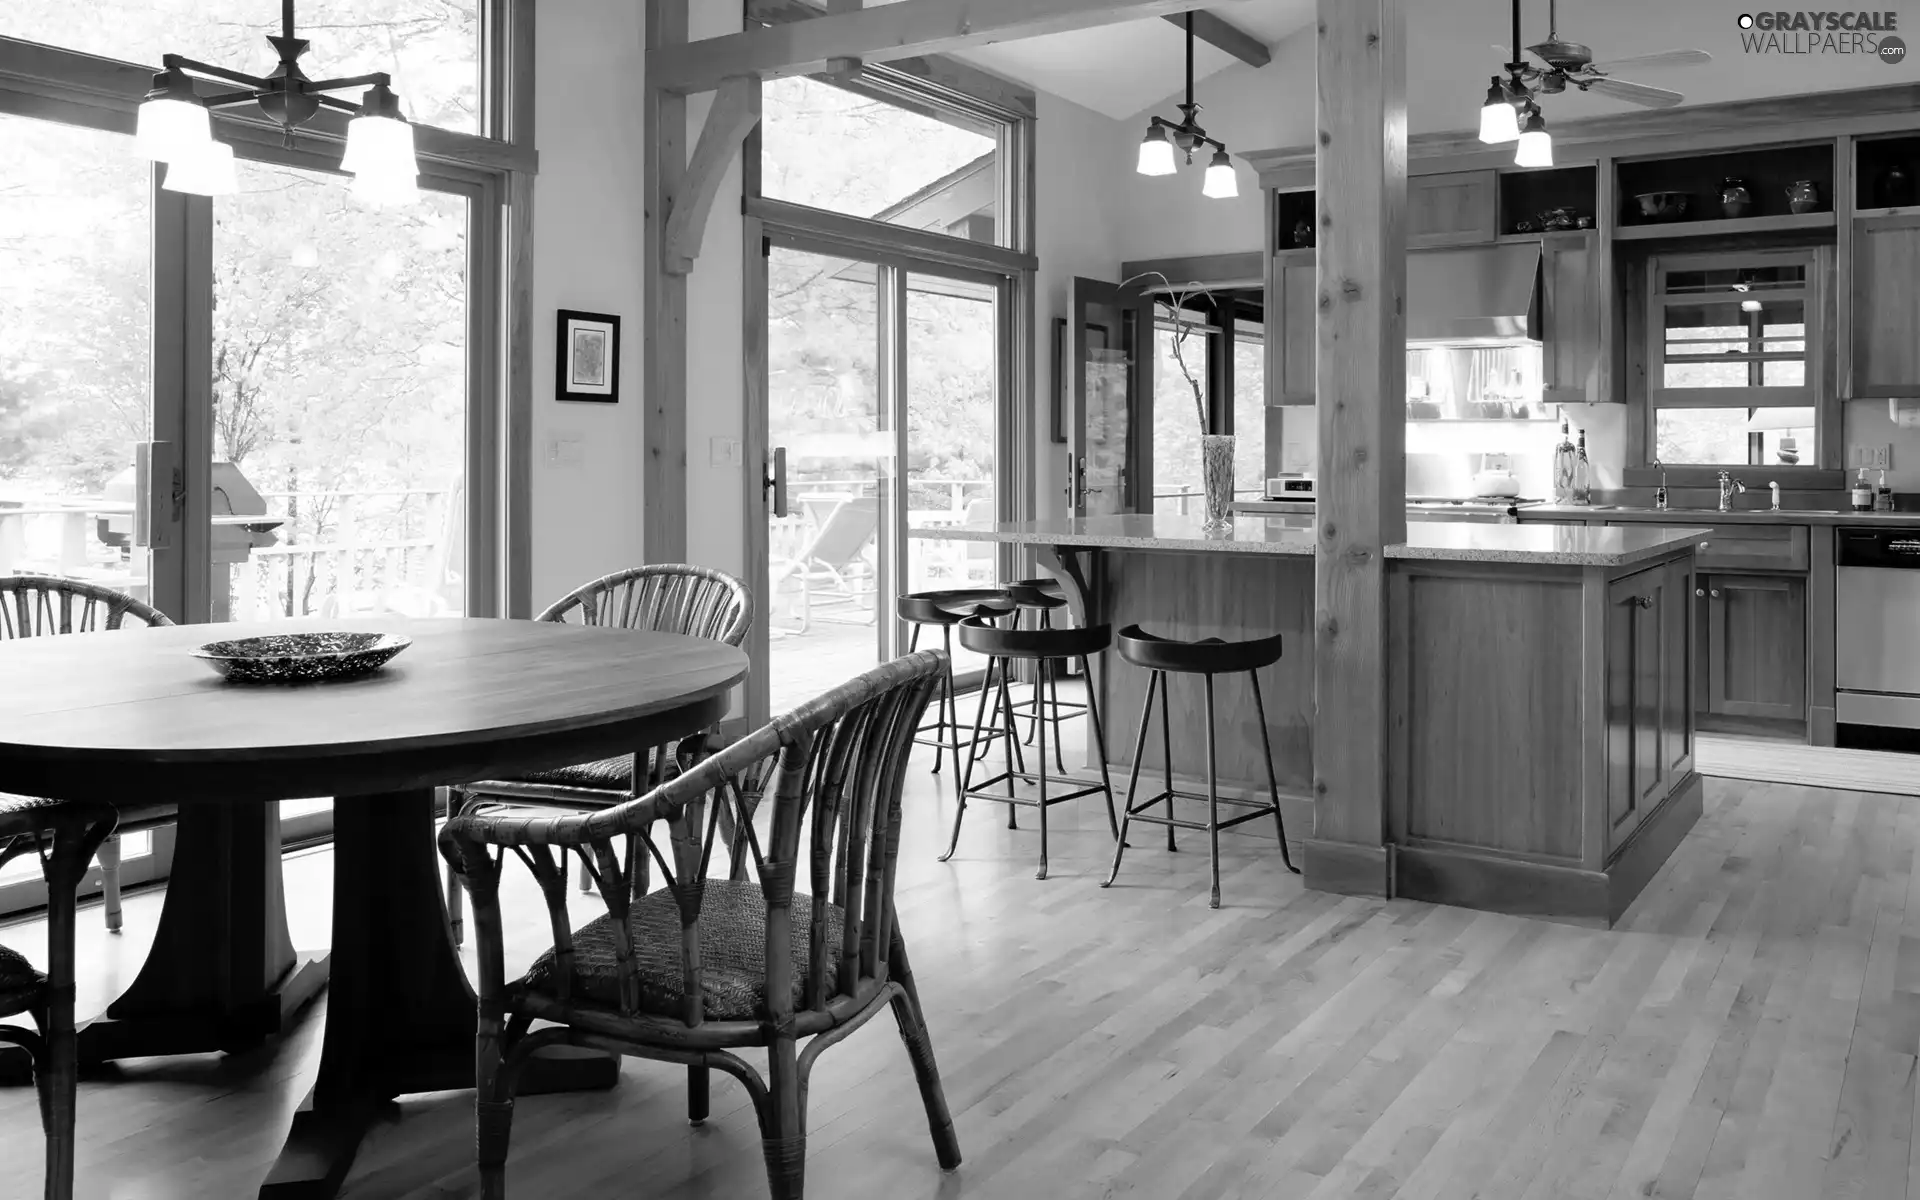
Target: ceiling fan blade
[[1632, 93], [1662, 58]]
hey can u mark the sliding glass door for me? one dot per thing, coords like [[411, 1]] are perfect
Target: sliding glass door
[[882, 415]]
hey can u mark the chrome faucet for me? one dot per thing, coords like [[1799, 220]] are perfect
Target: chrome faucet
[[1660, 496], [1729, 487], [1776, 495]]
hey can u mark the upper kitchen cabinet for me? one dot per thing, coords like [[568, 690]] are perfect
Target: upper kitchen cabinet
[[1454, 209], [1886, 306], [1571, 312]]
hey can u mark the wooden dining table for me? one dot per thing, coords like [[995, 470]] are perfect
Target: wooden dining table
[[131, 714]]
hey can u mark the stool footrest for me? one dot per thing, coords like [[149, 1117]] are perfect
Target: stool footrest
[[1261, 806], [978, 791]]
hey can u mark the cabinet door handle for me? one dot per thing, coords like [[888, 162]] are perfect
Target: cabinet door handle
[[1704, 545], [1699, 591], [1647, 601], [1715, 593]]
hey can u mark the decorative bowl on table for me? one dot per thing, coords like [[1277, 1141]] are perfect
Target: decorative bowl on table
[[301, 657], [1661, 206]]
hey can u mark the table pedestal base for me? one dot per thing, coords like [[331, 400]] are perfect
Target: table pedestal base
[[400, 1012]]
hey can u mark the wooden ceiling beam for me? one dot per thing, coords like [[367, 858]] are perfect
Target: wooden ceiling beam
[[1223, 34], [882, 33]]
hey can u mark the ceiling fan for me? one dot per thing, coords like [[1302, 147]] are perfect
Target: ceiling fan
[[1511, 111]]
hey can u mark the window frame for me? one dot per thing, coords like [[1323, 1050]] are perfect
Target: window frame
[[492, 170], [1815, 393]]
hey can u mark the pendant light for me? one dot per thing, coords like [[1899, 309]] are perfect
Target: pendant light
[[1499, 120], [172, 125], [1536, 145], [1164, 137]]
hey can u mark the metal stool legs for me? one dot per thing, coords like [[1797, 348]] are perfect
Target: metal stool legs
[[1136, 810], [1016, 772]]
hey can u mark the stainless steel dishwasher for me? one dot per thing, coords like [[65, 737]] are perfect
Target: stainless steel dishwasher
[[1877, 627]]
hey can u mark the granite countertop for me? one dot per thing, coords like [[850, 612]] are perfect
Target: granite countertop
[[1456, 541], [1697, 516]]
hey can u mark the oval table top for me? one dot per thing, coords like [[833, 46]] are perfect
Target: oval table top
[[113, 715]]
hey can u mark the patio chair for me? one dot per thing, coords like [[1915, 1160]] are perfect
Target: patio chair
[[46, 605], [65, 836], [832, 560], [663, 598], [706, 967]]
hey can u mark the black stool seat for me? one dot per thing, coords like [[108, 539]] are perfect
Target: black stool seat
[[1206, 658], [1209, 656], [1042, 594], [954, 605], [982, 638]]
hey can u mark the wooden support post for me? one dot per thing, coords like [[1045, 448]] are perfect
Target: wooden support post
[[1361, 161], [736, 109], [663, 518]]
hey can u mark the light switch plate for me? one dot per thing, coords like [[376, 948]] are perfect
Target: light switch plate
[[565, 450], [723, 452], [1876, 455]]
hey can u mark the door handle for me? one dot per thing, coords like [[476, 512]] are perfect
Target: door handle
[[774, 480], [159, 494]]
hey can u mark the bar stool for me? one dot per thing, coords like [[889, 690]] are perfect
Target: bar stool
[[945, 609], [1206, 658], [1042, 598], [1040, 647]]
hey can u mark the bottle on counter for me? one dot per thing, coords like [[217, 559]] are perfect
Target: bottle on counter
[[1883, 495], [1862, 492], [1563, 460], [1582, 473]]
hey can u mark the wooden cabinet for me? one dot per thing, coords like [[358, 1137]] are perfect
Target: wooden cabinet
[[1455, 209], [1886, 307], [1572, 363], [1754, 646], [1291, 332], [1649, 727]]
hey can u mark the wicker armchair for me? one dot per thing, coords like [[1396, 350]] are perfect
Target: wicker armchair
[[706, 966], [45, 605], [660, 598], [65, 836]]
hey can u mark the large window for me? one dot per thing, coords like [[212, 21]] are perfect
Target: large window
[[430, 47], [1732, 378], [866, 153], [1204, 380]]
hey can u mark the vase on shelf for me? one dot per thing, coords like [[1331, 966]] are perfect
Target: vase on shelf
[[1804, 196], [1216, 479], [1736, 200], [1894, 188]]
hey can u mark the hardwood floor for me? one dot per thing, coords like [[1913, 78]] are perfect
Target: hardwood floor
[[1749, 1031]]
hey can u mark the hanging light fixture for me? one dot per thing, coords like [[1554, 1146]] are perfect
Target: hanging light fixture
[[173, 127], [1499, 120], [1164, 136], [1536, 145]]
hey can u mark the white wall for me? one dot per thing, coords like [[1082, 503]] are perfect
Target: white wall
[[587, 255], [1085, 168]]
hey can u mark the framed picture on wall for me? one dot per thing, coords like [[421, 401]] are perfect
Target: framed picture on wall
[[587, 357]]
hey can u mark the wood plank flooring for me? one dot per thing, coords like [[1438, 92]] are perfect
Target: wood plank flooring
[[1749, 1031]]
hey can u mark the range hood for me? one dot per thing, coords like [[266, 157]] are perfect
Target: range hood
[[1478, 294]]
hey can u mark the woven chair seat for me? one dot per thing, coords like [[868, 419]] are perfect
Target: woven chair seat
[[733, 952], [10, 803], [606, 774], [20, 984]]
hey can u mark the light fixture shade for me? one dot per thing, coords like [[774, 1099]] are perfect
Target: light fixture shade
[[1499, 121], [1156, 153], [384, 191], [1750, 305], [167, 129], [208, 172], [1219, 183], [381, 146], [1536, 145]]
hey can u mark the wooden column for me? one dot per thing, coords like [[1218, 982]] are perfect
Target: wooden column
[[1361, 162], [663, 520]]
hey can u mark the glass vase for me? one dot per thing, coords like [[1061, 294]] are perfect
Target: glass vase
[[1216, 477]]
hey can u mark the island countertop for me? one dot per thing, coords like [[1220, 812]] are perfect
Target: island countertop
[[1457, 541]]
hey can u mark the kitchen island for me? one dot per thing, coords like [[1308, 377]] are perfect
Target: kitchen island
[[1539, 700]]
